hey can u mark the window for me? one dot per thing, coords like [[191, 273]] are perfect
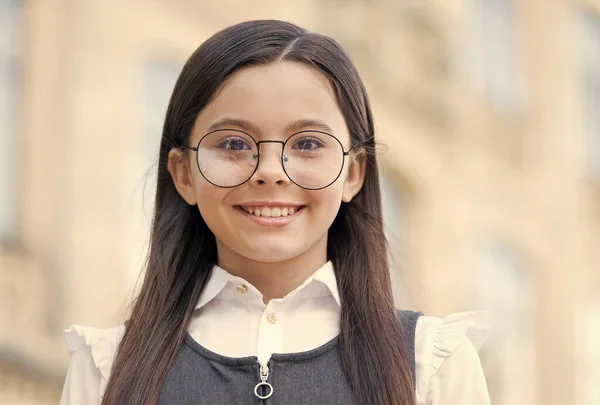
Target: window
[[394, 222], [589, 34], [591, 355], [157, 80], [494, 64], [504, 287], [10, 86]]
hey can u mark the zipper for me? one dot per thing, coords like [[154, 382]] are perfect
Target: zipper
[[264, 376]]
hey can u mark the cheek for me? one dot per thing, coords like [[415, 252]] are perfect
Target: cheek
[[209, 197], [212, 207], [329, 199]]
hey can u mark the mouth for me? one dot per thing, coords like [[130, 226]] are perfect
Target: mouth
[[270, 211]]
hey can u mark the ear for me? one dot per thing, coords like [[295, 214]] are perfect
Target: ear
[[179, 168], [355, 176]]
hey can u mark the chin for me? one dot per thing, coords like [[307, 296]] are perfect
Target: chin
[[271, 255], [272, 249]]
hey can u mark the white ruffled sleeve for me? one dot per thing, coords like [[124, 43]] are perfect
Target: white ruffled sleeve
[[448, 368], [92, 352]]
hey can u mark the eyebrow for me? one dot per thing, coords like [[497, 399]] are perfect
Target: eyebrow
[[233, 122], [301, 124], [250, 127]]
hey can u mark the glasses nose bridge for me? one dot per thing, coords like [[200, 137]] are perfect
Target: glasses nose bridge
[[282, 143], [263, 159]]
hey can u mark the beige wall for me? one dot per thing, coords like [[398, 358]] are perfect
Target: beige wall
[[468, 172]]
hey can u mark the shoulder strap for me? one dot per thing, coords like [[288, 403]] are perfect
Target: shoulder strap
[[409, 323]]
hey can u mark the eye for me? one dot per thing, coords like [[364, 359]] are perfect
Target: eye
[[234, 144], [307, 144]]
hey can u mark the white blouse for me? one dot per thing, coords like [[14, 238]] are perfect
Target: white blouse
[[231, 319]]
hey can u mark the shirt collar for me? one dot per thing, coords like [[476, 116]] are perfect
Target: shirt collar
[[223, 285]]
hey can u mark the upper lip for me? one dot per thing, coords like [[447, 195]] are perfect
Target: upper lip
[[269, 204]]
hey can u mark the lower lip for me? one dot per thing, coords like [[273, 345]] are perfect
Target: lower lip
[[270, 221]]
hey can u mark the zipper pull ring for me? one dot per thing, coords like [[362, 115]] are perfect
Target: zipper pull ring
[[264, 374]]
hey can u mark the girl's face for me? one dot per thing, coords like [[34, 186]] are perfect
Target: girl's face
[[268, 102]]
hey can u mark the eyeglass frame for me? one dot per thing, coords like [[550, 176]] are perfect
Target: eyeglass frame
[[283, 144]]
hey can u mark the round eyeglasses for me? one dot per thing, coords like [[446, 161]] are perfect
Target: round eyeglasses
[[311, 159]]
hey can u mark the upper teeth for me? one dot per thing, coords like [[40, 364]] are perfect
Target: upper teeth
[[270, 211]]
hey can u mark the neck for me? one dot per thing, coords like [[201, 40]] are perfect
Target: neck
[[274, 279]]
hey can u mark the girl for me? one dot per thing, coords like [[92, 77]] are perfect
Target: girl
[[267, 279]]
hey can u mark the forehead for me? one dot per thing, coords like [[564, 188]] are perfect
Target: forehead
[[272, 97]]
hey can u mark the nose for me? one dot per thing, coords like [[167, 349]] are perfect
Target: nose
[[270, 169]]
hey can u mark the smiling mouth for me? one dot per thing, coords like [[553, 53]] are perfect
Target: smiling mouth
[[271, 212]]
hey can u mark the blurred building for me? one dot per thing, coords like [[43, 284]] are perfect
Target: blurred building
[[490, 110]]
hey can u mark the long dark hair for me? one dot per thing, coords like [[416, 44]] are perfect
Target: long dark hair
[[183, 249]]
